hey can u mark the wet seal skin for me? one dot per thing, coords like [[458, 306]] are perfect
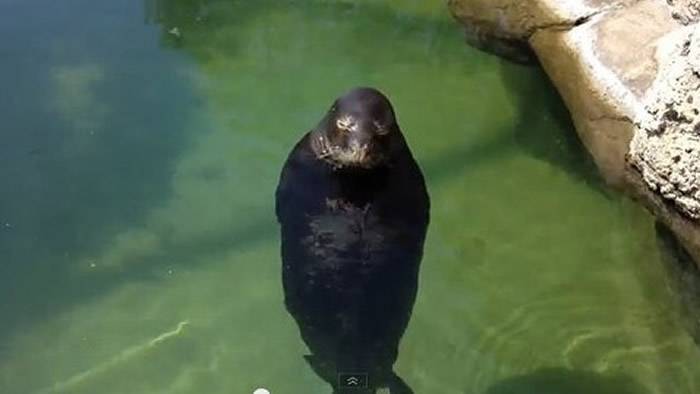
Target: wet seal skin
[[353, 210]]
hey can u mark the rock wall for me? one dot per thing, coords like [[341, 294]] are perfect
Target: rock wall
[[666, 149], [629, 72]]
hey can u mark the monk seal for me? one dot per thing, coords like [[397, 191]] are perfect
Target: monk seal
[[353, 210]]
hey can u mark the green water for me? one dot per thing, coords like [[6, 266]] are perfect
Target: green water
[[138, 241]]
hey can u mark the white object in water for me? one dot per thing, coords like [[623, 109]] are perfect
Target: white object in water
[[261, 391]]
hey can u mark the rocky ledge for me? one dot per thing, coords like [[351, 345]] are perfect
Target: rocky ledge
[[629, 72]]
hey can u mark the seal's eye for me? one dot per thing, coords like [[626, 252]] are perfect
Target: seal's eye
[[346, 123], [381, 128]]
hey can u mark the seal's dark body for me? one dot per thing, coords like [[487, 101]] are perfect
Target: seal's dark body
[[352, 242]]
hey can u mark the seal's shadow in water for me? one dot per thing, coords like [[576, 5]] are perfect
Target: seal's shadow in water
[[566, 381]]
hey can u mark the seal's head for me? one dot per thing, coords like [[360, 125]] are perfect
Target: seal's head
[[357, 131]]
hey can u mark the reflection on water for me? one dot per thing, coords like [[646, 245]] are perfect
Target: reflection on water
[[139, 247], [353, 209]]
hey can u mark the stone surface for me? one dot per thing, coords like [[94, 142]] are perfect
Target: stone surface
[[629, 73], [685, 11], [666, 148]]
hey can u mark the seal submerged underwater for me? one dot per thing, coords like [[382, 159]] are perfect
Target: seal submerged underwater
[[354, 211]]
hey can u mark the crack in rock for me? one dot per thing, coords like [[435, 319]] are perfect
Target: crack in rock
[[569, 24], [620, 118]]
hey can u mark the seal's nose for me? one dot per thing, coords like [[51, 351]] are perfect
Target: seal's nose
[[358, 151], [357, 134]]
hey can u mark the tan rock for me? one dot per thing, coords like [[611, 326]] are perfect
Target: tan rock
[[603, 69], [628, 72], [602, 121], [499, 25]]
